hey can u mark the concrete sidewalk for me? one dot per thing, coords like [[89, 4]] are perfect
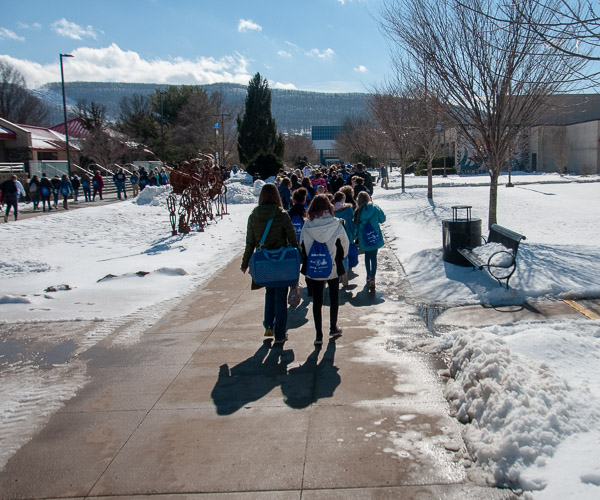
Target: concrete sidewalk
[[201, 406]]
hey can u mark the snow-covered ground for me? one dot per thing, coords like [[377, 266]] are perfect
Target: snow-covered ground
[[528, 393]]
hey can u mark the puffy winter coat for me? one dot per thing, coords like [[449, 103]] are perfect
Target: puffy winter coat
[[328, 230], [374, 215]]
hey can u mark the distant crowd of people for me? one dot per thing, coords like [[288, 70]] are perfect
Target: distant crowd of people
[[316, 207], [50, 191]]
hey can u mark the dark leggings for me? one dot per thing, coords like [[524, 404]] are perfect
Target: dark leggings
[[334, 302]]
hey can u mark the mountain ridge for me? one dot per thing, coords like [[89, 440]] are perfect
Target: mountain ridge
[[294, 111]]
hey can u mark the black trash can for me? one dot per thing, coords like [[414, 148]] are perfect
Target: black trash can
[[460, 233]]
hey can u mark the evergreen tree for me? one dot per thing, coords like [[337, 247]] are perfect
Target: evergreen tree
[[257, 132]]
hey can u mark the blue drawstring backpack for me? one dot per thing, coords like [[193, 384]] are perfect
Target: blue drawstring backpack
[[298, 224], [318, 263], [371, 237]]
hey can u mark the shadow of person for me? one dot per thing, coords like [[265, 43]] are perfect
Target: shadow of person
[[310, 382], [327, 377], [251, 379]]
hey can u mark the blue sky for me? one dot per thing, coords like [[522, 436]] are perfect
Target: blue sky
[[319, 45]]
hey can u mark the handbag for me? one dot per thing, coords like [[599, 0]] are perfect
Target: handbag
[[274, 268], [295, 295]]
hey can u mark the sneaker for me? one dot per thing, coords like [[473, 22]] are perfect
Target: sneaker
[[372, 285], [336, 332], [268, 332]]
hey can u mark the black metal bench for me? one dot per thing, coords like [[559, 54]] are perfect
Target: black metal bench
[[499, 270]]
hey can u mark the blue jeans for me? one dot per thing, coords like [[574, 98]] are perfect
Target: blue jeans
[[276, 310], [371, 263]]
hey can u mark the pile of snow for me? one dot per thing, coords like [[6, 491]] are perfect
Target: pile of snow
[[154, 195], [238, 193], [516, 410], [240, 178], [499, 254]]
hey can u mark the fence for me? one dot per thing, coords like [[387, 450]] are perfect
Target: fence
[[9, 168], [50, 167]]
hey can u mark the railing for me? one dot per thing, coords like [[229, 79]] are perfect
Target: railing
[[49, 167], [12, 167]]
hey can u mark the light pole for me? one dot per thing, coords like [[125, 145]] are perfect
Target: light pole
[[222, 115], [62, 80], [162, 126]]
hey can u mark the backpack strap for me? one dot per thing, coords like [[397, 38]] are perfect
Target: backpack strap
[[264, 236]]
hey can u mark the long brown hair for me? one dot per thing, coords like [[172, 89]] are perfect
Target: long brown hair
[[318, 206], [269, 195]]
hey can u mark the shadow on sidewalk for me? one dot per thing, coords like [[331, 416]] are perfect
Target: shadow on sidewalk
[[266, 369]]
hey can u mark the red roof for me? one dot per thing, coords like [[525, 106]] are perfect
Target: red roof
[[74, 126], [7, 134]]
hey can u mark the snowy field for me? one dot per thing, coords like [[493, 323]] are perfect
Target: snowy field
[[528, 393]]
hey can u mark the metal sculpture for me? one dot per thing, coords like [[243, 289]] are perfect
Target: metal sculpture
[[199, 183]]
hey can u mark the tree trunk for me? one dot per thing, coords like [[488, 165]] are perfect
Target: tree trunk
[[430, 178], [492, 216], [403, 170]]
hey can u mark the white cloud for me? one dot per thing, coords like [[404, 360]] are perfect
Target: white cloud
[[321, 54], [6, 34], [25, 26], [283, 53], [71, 30], [248, 25], [284, 86], [360, 69], [112, 64]]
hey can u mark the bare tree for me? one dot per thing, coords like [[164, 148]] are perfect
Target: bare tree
[[389, 108], [362, 141], [17, 104], [491, 82], [298, 147]]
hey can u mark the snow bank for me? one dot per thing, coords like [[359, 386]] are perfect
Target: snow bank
[[154, 195], [240, 193]]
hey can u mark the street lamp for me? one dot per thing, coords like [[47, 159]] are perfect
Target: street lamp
[[162, 125], [222, 115], [62, 80]]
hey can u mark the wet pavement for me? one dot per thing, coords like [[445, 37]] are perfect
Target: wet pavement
[[200, 405]]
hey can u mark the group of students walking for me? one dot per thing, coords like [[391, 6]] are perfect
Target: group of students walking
[[329, 230]]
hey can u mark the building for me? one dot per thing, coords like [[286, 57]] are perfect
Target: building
[[323, 138], [32, 147]]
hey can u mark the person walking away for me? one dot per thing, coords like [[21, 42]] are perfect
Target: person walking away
[[359, 186], [11, 189], [144, 179], [35, 191], [280, 234], [120, 179], [66, 189], [383, 174], [324, 245], [135, 183], [345, 211], [55, 189], [45, 191], [367, 218], [366, 176], [76, 183], [86, 182], [285, 192], [97, 184]]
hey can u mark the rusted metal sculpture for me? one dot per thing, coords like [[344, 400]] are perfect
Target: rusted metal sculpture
[[200, 184]]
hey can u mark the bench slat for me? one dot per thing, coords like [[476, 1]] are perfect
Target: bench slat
[[472, 258]]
